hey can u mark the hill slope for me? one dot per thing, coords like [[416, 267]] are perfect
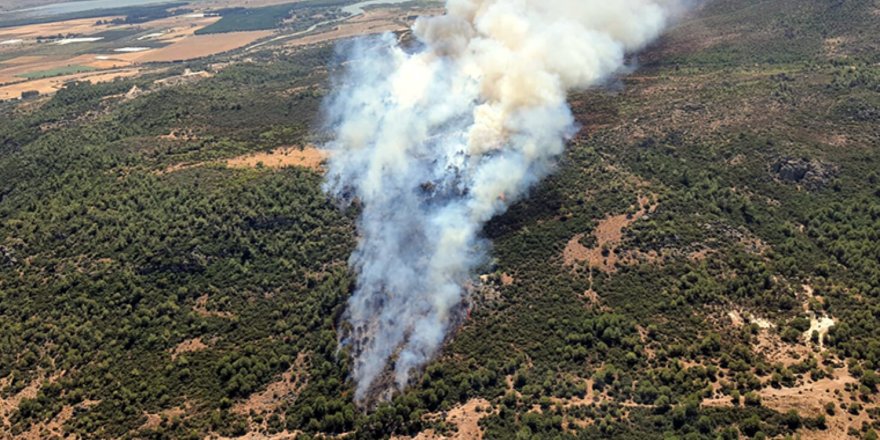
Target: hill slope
[[678, 276]]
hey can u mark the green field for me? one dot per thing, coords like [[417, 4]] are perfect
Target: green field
[[66, 70]]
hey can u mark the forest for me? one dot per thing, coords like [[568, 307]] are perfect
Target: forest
[[150, 291]]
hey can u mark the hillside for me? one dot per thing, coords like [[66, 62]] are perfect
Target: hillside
[[704, 263]]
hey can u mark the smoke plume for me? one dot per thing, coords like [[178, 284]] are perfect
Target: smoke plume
[[434, 141]]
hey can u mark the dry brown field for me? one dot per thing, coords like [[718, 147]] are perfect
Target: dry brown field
[[51, 85], [198, 46]]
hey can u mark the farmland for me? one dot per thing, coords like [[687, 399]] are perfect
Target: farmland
[[66, 70], [42, 54]]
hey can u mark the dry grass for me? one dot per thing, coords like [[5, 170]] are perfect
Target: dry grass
[[189, 346], [809, 400], [10, 70], [199, 46], [466, 418], [83, 26], [52, 85], [309, 157]]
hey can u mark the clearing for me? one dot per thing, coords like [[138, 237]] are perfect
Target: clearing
[[276, 395], [309, 157], [609, 234], [466, 418]]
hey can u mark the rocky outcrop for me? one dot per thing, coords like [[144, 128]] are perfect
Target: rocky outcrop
[[810, 173]]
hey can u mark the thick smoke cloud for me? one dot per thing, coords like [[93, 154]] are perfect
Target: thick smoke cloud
[[434, 142]]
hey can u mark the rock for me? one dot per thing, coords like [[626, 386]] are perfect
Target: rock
[[134, 92], [811, 173]]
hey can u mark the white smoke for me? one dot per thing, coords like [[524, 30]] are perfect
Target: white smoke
[[435, 142]]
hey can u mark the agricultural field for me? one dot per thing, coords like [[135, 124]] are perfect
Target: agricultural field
[[703, 263], [67, 70], [41, 54]]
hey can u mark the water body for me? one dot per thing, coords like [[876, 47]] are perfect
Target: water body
[[349, 12], [81, 6], [358, 8]]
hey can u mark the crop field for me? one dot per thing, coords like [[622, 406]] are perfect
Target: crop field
[[66, 70], [52, 84], [199, 46], [42, 56]]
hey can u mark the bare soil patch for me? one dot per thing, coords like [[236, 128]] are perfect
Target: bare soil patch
[[189, 346], [10, 404], [775, 349], [309, 157], [809, 400], [700, 255], [466, 418], [276, 395], [177, 167], [608, 234], [507, 280], [832, 46], [154, 420], [54, 428], [201, 309]]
